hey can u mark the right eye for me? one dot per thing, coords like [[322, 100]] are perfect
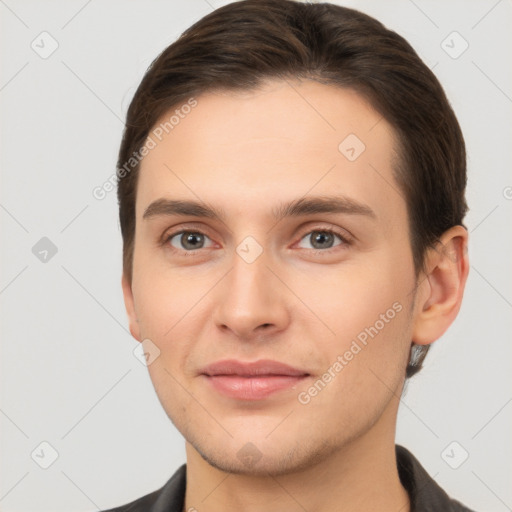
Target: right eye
[[188, 240]]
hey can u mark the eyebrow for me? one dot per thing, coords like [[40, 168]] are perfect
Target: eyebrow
[[303, 206]]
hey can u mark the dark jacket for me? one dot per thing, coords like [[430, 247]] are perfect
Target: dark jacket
[[424, 493]]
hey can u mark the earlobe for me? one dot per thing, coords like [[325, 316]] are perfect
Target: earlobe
[[130, 308], [441, 290]]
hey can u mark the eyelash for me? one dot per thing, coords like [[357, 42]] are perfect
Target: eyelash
[[346, 241]]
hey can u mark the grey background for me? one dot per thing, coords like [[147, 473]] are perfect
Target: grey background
[[69, 376]]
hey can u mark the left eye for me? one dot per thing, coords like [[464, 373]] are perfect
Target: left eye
[[321, 239], [189, 240]]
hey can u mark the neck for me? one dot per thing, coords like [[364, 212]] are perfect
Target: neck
[[361, 475]]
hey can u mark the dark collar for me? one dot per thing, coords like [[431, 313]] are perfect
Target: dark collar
[[424, 493]]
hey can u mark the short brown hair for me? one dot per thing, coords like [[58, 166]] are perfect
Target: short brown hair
[[238, 46]]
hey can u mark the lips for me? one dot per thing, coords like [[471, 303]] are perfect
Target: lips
[[252, 380], [251, 369]]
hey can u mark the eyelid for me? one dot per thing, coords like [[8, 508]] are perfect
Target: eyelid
[[183, 228], [169, 234], [345, 236]]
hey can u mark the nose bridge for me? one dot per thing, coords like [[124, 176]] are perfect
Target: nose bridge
[[249, 278], [250, 295]]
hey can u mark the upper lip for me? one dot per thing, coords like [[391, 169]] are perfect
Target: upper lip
[[248, 369]]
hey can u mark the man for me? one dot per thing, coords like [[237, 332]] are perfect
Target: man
[[291, 190]]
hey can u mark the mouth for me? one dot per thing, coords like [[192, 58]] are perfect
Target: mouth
[[252, 380]]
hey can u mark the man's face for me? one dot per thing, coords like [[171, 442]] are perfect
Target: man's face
[[326, 290]]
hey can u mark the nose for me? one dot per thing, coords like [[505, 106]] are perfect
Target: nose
[[251, 302]]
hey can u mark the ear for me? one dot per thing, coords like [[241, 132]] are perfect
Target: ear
[[130, 308], [440, 291]]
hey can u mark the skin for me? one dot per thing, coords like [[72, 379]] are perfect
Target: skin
[[297, 303]]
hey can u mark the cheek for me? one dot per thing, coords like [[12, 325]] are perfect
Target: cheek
[[364, 363], [169, 306], [165, 298], [368, 309], [352, 297]]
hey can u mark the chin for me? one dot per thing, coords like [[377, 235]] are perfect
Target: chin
[[271, 460]]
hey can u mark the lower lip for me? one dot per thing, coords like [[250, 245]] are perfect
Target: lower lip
[[252, 388]]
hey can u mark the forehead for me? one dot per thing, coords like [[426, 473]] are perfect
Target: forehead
[[278, 142]]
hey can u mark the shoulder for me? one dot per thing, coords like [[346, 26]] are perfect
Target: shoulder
[[138, 505], [169, 498], [424, 492]]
